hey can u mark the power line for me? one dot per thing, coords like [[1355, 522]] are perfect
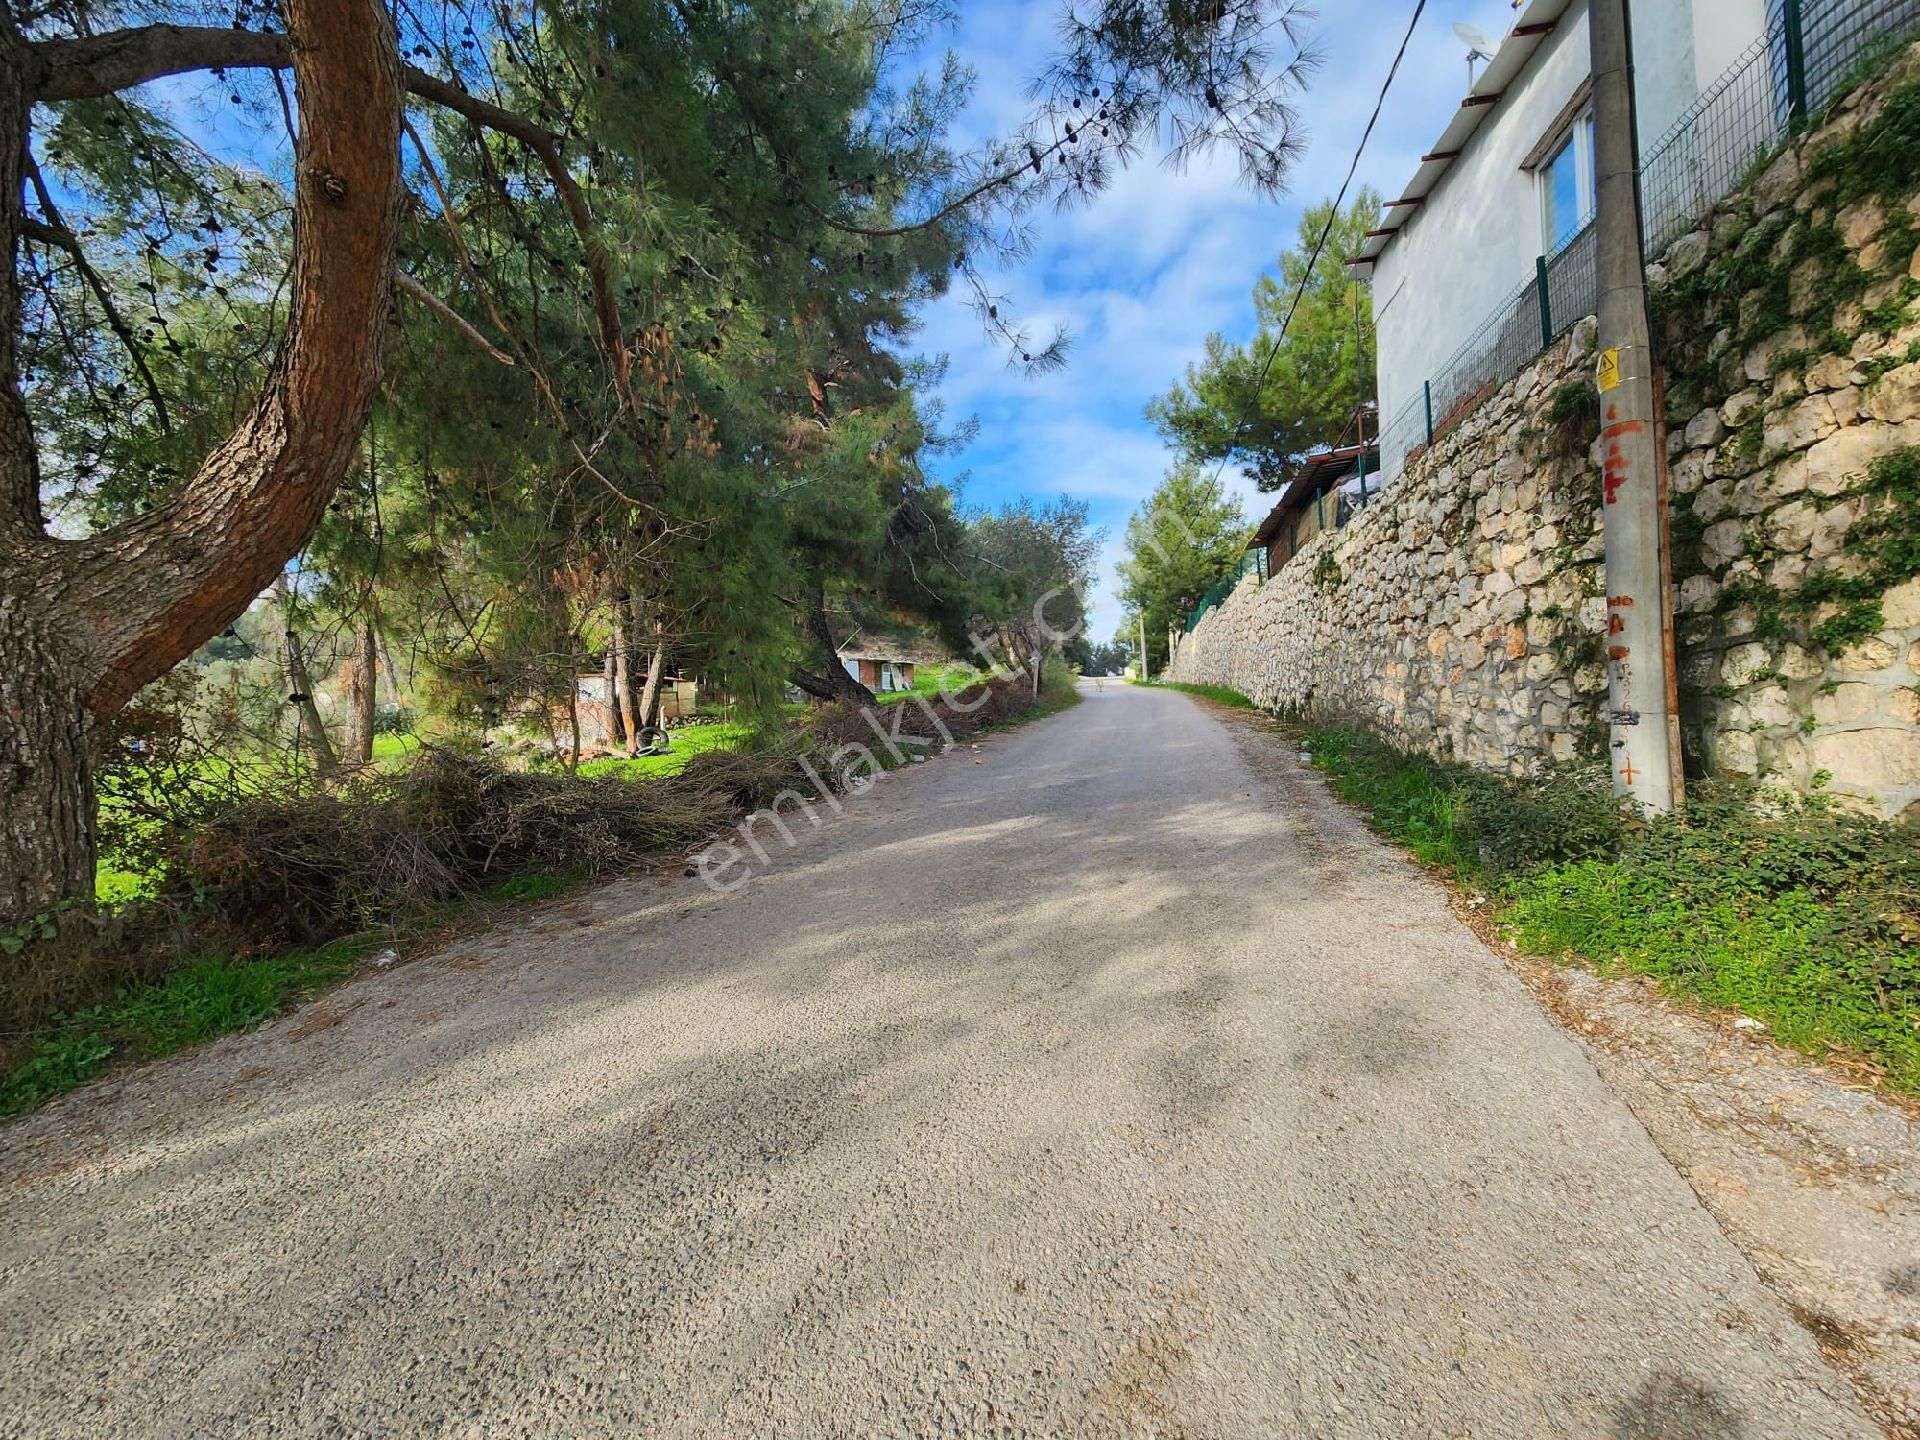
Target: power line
[[1313, 260]]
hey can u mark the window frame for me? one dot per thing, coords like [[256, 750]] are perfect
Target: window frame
[[1577, 138]]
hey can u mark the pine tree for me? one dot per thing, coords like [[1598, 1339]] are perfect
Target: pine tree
[[1320, 371], [1186, 536]]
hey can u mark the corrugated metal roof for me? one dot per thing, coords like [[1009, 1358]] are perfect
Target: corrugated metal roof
[[1534, 25]]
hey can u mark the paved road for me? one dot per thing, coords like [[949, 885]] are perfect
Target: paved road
[[1118, 1085]]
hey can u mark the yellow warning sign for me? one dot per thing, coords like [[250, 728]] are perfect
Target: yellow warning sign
[[1608, 375]]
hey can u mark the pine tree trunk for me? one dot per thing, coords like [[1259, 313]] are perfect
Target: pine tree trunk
[[84, 623], [387, 667], [47, 839], [832, 682], [293, 665], [650, 692], [361, 697], [623, 678], [616, 722]]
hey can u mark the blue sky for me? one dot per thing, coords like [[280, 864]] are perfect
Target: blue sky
[[1143, 275]]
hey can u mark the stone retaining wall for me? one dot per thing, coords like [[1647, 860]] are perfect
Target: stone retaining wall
[[1462, 612]]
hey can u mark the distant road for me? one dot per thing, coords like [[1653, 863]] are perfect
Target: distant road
[[1118, 1085]]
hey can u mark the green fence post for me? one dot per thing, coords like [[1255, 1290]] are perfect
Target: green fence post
[[1427, 386], [1796, 46], [1546, 301]]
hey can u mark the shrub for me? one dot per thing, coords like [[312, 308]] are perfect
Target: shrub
[[393, 718]]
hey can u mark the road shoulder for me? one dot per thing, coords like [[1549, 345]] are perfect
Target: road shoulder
[[1812, 1174]]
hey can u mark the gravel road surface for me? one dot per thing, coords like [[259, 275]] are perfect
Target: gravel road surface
[[1090, 1090]]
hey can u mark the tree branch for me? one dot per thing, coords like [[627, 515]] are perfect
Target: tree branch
[[97, 65], [546, 147], [55, 232], [103, 64], [447, 313], [137, 598]]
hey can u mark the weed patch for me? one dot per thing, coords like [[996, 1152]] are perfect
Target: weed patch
[[148, 1020]]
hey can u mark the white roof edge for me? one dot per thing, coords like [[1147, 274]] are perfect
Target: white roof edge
[[1509, 61]]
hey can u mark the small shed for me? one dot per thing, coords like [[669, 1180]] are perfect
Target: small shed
[[675, 706], [1325, 490], [880, 671]]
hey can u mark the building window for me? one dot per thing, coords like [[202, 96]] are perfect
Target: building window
[[1566, 186]]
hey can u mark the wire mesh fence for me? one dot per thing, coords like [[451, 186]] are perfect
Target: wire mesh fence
[[1715, 143], [1251, 561], [1561, 291], [1840, 41]]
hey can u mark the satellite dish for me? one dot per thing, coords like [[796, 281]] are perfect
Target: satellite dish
[[1478, 42], [1480, 45]]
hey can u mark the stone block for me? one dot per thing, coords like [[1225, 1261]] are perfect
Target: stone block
[[1796, 663], [1828, 535], [1741, 663], [1713, 500], [1805, 423], [1705, 429], [1741, 407], [1895, 396], [1828, 372], [1770, 705], [1775, 186], [1900, 606], [1860, 224], [1843, 457], [1844, 704], [1687, 473], [1687, 254], [1735, 754], [1721, 543], [1881, 758], [1698, 593], [1875, 653]]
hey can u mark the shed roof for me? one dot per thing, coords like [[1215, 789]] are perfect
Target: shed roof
[[1534, 24], [1316, 472]]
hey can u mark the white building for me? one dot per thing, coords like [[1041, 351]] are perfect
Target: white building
[[1510, 180]]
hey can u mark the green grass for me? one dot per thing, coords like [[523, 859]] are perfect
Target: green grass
[[113, 886], [525, 889], [392, 750], [686, 742], [1796, 914], [1771, 956], [930, 680], [189, 1007], [1219, 694]]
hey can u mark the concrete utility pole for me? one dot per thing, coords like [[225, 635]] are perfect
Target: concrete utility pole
[[1143, 646], [1642, 728]]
